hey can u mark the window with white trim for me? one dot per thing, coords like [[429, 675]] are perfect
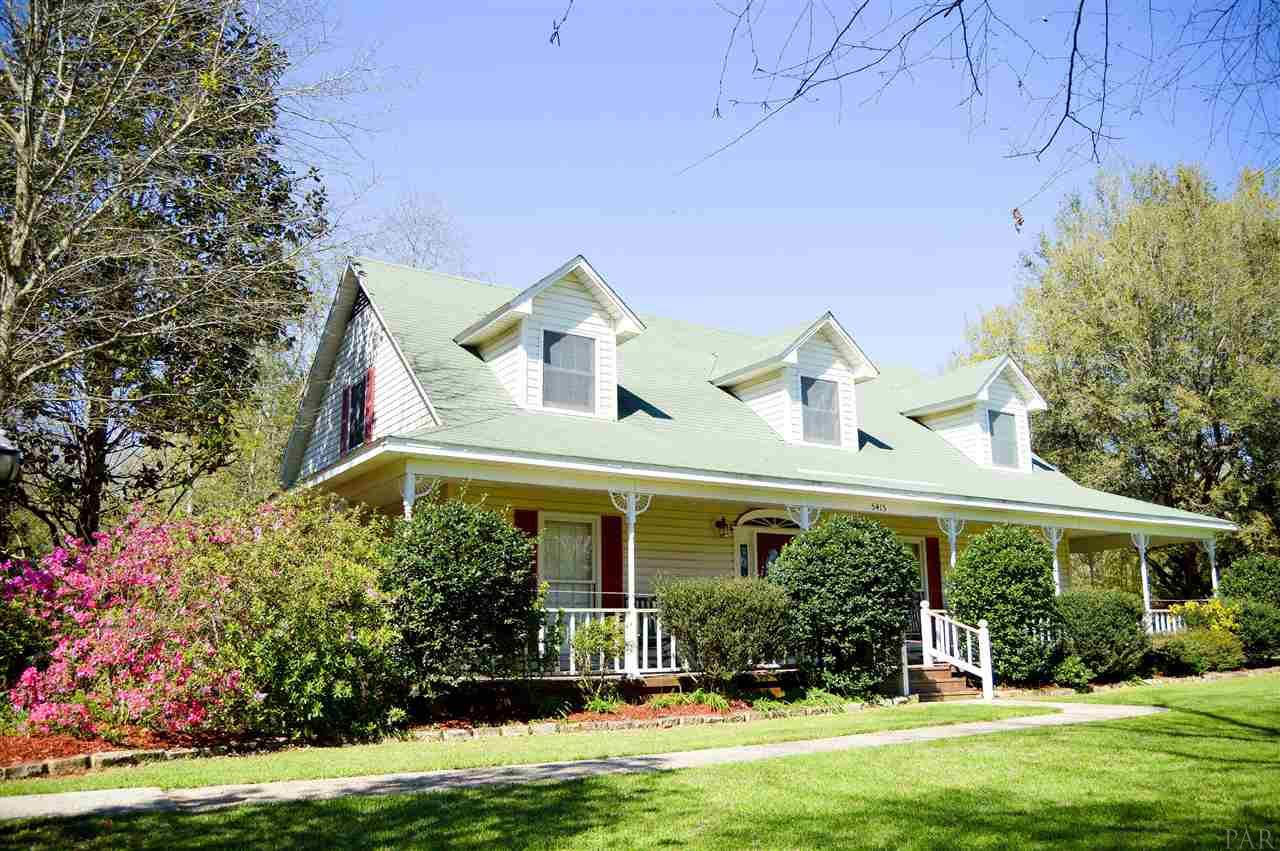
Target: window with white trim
[[1004, 438], [355, 413], [568, 371], [820, 410], [567, 562]]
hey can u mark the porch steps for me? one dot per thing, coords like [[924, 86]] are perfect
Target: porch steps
[[941, 682]]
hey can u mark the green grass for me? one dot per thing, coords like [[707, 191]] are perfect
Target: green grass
[[1180, 779], [392, 757]]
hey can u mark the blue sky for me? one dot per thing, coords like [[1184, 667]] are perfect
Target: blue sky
[[894, 214]]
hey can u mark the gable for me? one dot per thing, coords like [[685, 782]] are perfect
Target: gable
[[398, 407]]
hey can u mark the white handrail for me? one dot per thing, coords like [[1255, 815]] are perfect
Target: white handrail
[[968, 648], [1164, 622]]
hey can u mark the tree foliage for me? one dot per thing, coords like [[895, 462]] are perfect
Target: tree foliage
[[1151, 324], [152, 218], [852, 585]]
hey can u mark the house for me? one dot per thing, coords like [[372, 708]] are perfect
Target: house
[[640, 446]]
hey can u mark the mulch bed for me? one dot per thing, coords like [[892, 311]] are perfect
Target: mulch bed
[[645, 712], [15, 750]]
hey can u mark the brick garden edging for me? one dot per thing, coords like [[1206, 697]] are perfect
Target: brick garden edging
[[1145, 681], [55, 766], [546, 728], [111, 759]]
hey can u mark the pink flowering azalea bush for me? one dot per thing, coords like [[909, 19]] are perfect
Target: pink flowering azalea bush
[[261, 622]]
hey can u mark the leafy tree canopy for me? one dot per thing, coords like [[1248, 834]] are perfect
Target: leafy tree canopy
[[1151, 324]]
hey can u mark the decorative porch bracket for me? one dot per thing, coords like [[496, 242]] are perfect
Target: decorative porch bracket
[[951, 526], [409, 491], [804, 516], [1054, 536], [1211, 548], [632, 505], [1140, 542]]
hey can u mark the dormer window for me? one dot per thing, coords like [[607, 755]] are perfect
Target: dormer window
[[1004, 438], [820, 406], [568, 371]]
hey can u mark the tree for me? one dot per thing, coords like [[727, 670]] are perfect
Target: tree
[[1066, 77], [418, 231], [1151, 324], [152, 221]]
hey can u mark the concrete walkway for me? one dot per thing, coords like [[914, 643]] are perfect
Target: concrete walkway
[[151, 799]]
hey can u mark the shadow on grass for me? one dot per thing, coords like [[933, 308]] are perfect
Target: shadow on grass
[[640, 812]]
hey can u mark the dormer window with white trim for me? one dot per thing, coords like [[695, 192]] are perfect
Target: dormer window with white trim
[[568, 371], [982, 409], [820, 410], [554, 346], [801, 382], [1004, 438]]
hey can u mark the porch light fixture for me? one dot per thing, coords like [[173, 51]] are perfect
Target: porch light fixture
[[10, 460], [724, 528]]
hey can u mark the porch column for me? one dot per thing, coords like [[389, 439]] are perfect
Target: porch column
[[1211, 547], [632, 505], [803, 516], [951, 526], [409, 493], [1140, 542], [1054, 536]]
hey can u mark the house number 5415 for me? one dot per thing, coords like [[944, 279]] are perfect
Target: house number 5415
[[879, 506]]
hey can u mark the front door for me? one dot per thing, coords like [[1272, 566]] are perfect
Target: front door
[[768, 548]]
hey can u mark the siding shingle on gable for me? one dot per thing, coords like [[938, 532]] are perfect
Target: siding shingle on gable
[[398, 407]]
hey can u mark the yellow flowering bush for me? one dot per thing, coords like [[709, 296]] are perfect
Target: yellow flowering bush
[[1213, 615]]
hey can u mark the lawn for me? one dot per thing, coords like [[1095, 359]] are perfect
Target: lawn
[[1178, 779], [392, 757]]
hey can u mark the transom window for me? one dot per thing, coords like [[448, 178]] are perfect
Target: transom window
[[1004, 439], [355, 414], [820, 404], [566, 560], [568, 371]]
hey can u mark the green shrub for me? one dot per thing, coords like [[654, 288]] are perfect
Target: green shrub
[[1073, 673], [668, 700], [462, 596], [1259, 629], [593, 641], [1005, 576], [1104, 629], [851, 585], [300, 618], [722, 626], [1198, 650], [1254, 577], [23, 637], [702, 697], [603, 705]]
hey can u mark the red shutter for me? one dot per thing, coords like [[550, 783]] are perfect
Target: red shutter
[[368, 405], [346, 412], [611, 587], [526, 520], [933, 572]]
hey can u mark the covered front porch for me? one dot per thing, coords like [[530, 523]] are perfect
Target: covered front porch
[[604, 541]]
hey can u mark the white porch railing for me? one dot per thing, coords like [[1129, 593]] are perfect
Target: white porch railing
[[965, 647], [570, 621], [1164, 622], [656, 649]]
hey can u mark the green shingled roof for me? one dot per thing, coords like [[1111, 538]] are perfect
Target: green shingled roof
[[671, 415]]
